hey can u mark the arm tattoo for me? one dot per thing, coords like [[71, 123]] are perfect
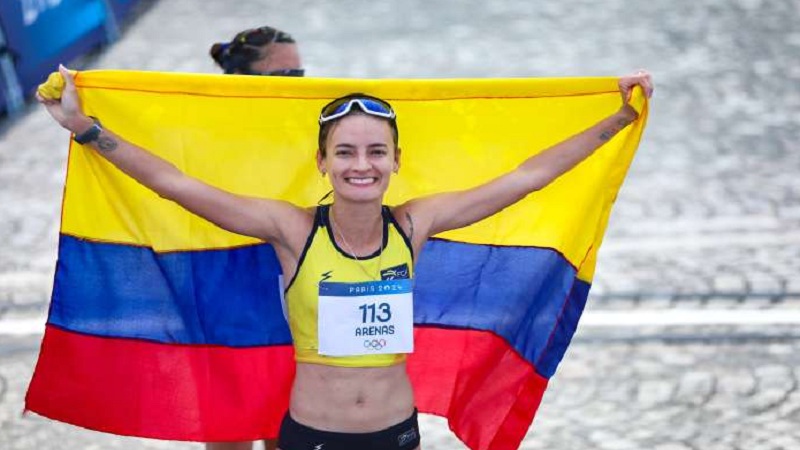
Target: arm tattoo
[[106, 144], [606, 135], [410, 226], [614, 129]]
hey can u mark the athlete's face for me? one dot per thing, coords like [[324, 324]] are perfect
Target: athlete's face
[[360, 158]]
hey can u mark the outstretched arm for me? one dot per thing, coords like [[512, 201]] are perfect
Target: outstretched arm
[[239, 214], [448, 211]]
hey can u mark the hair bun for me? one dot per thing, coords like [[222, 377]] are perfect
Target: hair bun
[[218, 51]]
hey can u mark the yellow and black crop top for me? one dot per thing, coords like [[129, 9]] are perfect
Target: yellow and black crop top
[[323, 260]]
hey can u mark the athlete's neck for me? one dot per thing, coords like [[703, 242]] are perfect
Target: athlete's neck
[[360, 225]]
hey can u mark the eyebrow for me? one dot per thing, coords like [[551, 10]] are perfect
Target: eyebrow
[[346, 145]]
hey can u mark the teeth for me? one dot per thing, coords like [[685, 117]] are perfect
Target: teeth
[[361, 180]]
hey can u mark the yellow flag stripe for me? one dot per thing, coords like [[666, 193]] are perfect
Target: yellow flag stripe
[[257, 136]]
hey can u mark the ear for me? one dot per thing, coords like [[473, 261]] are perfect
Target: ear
[[320, 162], [397, 160]]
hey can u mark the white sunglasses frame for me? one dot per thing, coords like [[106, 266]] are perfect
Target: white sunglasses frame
[[349, 106]]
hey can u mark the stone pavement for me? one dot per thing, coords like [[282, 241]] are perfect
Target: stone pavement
[[709, 217]]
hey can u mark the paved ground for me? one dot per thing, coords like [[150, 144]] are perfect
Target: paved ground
[[708, 219]]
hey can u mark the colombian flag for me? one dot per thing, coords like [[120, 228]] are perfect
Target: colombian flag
[[162, 325]]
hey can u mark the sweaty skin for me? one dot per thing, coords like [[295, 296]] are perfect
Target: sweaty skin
[[360, 160]]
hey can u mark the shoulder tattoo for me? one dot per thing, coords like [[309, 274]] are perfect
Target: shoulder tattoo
[[410, 226]]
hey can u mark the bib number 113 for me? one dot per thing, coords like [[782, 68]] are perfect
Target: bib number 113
[[370, 312]]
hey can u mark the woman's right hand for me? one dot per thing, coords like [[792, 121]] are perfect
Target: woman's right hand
[[67, 111]]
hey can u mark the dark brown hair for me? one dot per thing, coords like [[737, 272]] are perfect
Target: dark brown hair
[[246, 47]]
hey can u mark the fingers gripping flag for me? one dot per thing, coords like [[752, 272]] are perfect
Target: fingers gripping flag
[[164, 326]]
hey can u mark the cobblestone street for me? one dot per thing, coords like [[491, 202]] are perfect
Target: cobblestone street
[[708, 219]]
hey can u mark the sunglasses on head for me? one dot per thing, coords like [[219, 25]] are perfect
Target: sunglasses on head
[[369, 105], [283, 73]]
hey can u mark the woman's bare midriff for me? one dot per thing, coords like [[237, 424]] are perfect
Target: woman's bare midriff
[[351, 399]]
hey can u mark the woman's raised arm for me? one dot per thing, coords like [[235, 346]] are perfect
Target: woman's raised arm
[[239, 214], [447, 211]]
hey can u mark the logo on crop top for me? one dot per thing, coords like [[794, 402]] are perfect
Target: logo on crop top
[[326, 275], [395, 273]]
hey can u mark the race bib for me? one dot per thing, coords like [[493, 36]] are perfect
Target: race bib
[[369, 318]]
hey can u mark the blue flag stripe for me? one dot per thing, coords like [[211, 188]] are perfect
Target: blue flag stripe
[[529, 296]]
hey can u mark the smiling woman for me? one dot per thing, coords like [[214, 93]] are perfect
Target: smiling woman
[[348, 266], [364, 152]]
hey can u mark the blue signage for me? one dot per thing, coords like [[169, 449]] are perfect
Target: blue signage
[[37, 35]]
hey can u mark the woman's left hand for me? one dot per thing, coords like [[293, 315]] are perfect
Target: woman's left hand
[[639, 78]]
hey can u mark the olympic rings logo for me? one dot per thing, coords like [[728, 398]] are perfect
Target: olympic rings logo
[[374, 344]]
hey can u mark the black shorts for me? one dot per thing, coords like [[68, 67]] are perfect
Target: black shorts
[[296, 436]]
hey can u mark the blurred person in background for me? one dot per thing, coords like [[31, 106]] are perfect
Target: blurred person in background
[[257, 51]]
